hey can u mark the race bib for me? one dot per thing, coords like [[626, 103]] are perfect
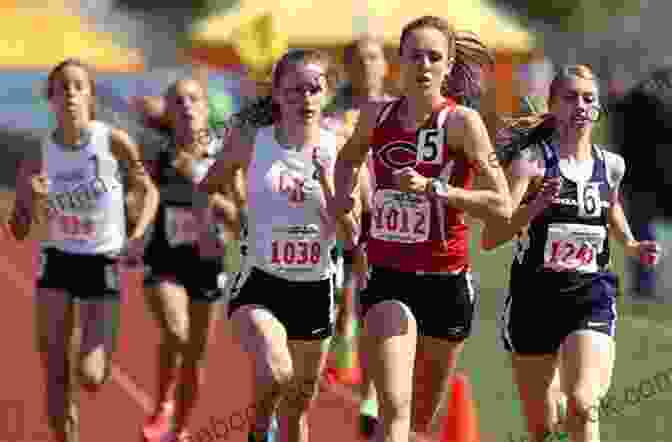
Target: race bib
[[73, 227], [181, 226], [574, 247], [296, 248], [400, 217]]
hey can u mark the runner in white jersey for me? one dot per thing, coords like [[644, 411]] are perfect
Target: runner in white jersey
[[282, 302], [75, 189], [184, 258]]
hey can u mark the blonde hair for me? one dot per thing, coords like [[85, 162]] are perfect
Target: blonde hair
[[523, 131]]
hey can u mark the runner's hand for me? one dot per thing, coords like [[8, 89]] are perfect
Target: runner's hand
[[133, 252], [409, 180], [40, 195]]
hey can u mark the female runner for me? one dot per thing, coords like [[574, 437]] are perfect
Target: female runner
[[565, 192], [425, 151], [76, 186], [184, 258], [286, 159]]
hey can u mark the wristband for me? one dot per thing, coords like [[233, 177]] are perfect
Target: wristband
[[436, 187], [348, 257]]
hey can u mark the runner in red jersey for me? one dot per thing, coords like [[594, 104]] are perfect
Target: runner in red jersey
[[412, 232], [425, 150]]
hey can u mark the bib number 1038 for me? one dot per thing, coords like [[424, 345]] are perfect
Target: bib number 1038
[[74, 227], [288, 253]]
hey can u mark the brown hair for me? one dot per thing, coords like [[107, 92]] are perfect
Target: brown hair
[[465, 83], [350, 50], [80, 64], [523, 131], [263, 111]]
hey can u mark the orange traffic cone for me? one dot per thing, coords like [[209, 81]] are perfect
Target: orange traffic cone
[[350, 374], [461, 421]]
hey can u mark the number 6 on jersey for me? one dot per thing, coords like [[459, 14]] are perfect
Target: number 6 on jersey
[[589, 201]]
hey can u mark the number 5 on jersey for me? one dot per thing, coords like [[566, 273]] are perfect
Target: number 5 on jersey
[[430, 146]]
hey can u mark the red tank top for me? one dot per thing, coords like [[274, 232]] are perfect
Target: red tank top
[[411, 232]]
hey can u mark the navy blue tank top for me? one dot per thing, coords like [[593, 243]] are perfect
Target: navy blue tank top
[[567, 245]]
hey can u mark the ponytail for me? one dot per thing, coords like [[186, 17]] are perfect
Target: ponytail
[[260, 112], [539, 126], [465, 83], [521, 132], [263, 111]]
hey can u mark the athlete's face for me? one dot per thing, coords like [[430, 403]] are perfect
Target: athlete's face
[[72, 94], [575, 105], [368, 67], [425, 61], [187, 106], [301, 93]]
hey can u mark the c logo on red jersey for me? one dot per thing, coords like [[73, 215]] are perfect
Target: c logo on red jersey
[[398, 154]]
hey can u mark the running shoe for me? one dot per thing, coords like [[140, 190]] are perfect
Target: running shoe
[[172, 436], [160, 424], [367, 425], [270, 434]]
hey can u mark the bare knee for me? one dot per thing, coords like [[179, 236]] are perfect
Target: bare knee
[[395, 406], [272, 384], [176, 336], [583, 406], [299, 395], [281, 376], [94, 375]]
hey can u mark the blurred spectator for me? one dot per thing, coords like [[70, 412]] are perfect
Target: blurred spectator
[[534, 79], [641, 125], [366, 68]]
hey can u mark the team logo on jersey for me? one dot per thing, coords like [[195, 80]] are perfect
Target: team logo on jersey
[[427, 150], [398, 154]]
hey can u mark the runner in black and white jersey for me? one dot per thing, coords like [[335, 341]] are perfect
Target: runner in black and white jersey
[[560, 313], [76, 187], [183, 257]]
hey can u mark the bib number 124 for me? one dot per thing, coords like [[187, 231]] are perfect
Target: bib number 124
[[570, 255]]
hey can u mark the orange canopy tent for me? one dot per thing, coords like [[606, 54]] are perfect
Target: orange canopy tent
[[38, 38]]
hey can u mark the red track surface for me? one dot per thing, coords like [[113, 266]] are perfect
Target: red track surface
[[116, 413]]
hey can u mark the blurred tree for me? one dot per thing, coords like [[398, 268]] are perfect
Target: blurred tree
[[569, 15], [180, 16], [197, 9]]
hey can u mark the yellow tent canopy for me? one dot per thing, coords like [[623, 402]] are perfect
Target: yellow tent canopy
[[333, 23], [38, 38]]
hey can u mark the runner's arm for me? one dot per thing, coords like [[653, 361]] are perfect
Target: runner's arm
[[352, 156], [493, 200], [22, 216], [226, 178], [618, 222], [495, 234], [139, 181]]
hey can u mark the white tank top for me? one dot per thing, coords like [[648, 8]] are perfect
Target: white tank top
[[290, 235], [86, 196]]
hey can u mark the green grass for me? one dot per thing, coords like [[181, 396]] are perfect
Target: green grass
[[643, 339]]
